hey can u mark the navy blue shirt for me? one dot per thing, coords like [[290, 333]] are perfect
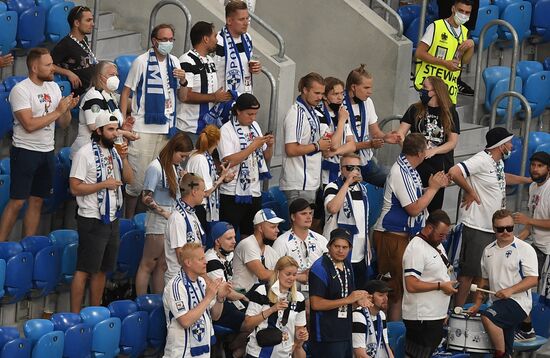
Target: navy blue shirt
[[323, 282]]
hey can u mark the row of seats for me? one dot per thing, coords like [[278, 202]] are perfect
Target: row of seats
[[124, 327], [26, 23], [538, 142]]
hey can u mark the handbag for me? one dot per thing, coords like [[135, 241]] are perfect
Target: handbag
[[271, 336]]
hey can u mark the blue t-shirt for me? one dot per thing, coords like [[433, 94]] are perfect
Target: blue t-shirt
[[155, 181], [323, 282]]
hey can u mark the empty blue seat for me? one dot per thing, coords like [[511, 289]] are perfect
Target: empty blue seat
[[518, 15], [139, 221], [280, 198], [484, 15], [106, 331], [156, 332], [65, 87], [66, 242], [78, 335], [19, 270], [20, 5], [512, 165], [12, 346], [6, 117], [502, 4], [60, 189], [535, 140], [47, 343], [503, 86], [133, 334], [4, 190], [5, 166], [46, 263], [266, 196], [125, 225], [130, 252], [31, 26], [8, 35], [3, 7], [2, 277], [399, 351], [546, 64], [57, 26], [543, 148], [412, 32], [408, 13], [64, 156], [524, 69], [540, 22], [537, 92], [396, 329], [376, 200], [11, 81], [123, 64]]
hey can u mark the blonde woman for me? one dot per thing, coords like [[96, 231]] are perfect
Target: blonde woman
[[277, 305]]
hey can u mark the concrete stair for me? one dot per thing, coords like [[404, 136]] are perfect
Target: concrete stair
[[113, 42]]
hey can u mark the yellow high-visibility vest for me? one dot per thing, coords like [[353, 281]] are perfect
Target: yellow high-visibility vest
[[444, 45]]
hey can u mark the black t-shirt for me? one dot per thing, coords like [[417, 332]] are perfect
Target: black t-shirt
[[432, 129], [70, 55]]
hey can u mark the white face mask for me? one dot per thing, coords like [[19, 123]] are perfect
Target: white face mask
[[112, 83], [165, 47], [460, 18]]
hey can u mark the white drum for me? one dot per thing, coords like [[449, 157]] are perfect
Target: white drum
[[467, 334]]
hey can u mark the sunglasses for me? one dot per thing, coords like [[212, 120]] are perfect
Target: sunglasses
[[350, 168], [500, 229]]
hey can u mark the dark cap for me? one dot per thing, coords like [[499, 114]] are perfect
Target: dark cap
[[373, 286], [299, 205], [246, 101], [496, 137], [340, 233], [542, 157]]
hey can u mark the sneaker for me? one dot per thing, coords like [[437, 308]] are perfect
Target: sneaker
[[464, 89], [522, 336]]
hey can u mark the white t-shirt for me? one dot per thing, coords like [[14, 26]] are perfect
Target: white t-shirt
[[135, 78], [302, 172], [176, 236], [372, 117], [219, 60], [215, 265], [188, 113], [365, 333], [41, 100], [229, 144], [539, 208], [428, 36], [198, 164], [84, 168], [248, 250], [488, 180], [506, 266], [305, 252], [422, 261], [92, 104], [180, 342]]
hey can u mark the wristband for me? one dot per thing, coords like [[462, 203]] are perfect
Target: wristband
[[316, 144], [184, 84], [438, 285], [263, 316]]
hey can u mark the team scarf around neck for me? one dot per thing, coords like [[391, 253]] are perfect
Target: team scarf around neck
[[374, 336], [305, 110], [212, 201], [332, 165], [243, 194], [349, 220], [234, 69], [163, 177], [186, 210], [103, 197], [415, 223], [359, 137], [155, 97]]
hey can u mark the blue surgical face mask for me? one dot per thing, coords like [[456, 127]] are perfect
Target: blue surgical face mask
[[425, 96], [506, 155], [165, 47]]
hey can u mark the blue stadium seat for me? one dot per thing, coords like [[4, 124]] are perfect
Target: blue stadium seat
[[376, 200], [66, 242], [139, 221], [536, 139], [65, 87], [500, 87], [491, 75], [78, 335], [12, 346], [156, 332], [546, 64], [408, 13], [133, 335], [11, 81], [64, 156], [19, 270], [125, 225], [106, 331], [540, 22], [47, 343], [524, 69], [3, 7], [8, 35], [31, 26], [46, 263], [412, 32], [57, 26], [4, 190], [123, 64], [483, 3], [512, 165], [60, 189], [484, 15], [6, 116], [502, 4], [266, 196], [2, 277], [399, 351], [543, 148], [396, 329], [20, 5], [518, 15], [280, 198], [5, 166], [130, 252], [537, 92]]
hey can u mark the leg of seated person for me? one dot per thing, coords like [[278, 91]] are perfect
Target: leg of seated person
[[97, 286], [9, 217], [32, 216], [78, 286], [153, 249], [463, 290], [158, 274], [495, 333]]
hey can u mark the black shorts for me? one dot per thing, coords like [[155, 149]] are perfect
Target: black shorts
[[422, 337], [97, 245], [506, 314], [473, 243], [31, 173]]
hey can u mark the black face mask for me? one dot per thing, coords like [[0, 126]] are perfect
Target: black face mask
[[424, 96], [357, 99], [224, 252], [334, 106], [267, 241]]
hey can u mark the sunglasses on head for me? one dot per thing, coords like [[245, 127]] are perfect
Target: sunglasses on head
[[500, 229], [350, 168]]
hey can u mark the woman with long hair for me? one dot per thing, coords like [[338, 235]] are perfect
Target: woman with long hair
[[160, 190], [202, 163], [435, 117], [277, 305]]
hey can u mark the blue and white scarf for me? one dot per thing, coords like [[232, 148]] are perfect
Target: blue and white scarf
[[103, 197], [332, 165], [212, 201], [304, 110], [234, 68], [243, 195], [417, 222], [190, 235], [349, 221], [374, 336], [155, 98], [220, 113], [364, 135]]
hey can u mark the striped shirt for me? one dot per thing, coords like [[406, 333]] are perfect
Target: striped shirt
[[365, 333]]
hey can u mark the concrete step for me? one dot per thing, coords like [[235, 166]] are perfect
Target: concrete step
[[105, 21], [113, 43]]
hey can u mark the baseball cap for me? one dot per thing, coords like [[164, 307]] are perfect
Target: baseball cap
[[373, 286], [105, 118], [497, 136], [266, 215], [246, 101], [299, 205], [340, 233], [542, 157]]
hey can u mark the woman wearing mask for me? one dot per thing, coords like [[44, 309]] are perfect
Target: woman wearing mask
[[277, 305], [160, 190], [99, 98], [202, 163], [436, 118]]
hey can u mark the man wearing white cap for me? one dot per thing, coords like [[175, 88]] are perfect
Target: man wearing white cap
[[97, 174], [483, 181], [253, 260]]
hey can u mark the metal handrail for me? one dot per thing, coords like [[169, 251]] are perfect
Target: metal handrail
[[183, 8], [512, 85], [423, 10], [96, 28], [272, 120], [280, 56], [389, 10], [526, 126], [383, 122]]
